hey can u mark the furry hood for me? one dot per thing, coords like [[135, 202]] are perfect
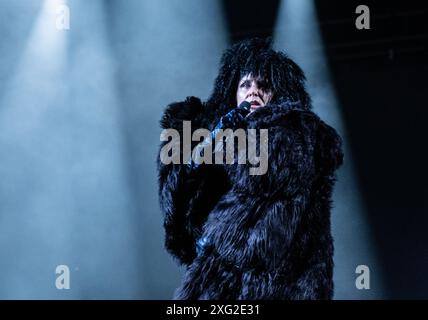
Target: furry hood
[[256, 56]]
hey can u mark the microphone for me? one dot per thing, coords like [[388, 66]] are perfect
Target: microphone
[[243, 109], [245, 105]]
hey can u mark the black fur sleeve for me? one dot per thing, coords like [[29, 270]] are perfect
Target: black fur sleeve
[[176, 186]]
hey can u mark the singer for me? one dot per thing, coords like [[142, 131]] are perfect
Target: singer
[[243, 236]]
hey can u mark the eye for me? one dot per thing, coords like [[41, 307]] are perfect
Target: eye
[[246, 84]]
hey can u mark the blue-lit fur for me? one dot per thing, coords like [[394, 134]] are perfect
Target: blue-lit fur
[[267, 236]]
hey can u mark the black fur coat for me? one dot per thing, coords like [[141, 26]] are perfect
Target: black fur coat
[[269, 234]]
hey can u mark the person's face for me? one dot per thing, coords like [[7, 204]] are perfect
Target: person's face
[[253, 90]]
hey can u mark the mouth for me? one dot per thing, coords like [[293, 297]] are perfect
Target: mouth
[[255, 104]]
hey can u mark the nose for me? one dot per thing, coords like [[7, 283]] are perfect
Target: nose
[[254, 89]]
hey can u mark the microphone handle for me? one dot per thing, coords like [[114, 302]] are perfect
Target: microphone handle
[[245, 105]]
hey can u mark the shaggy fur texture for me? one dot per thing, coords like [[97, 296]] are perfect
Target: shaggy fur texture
[[268, 236]]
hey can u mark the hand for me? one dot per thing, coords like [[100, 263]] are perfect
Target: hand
[[233, 119]]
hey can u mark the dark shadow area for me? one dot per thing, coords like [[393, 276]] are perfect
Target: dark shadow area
[[386, 119], [250, 18], [380, 80]]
